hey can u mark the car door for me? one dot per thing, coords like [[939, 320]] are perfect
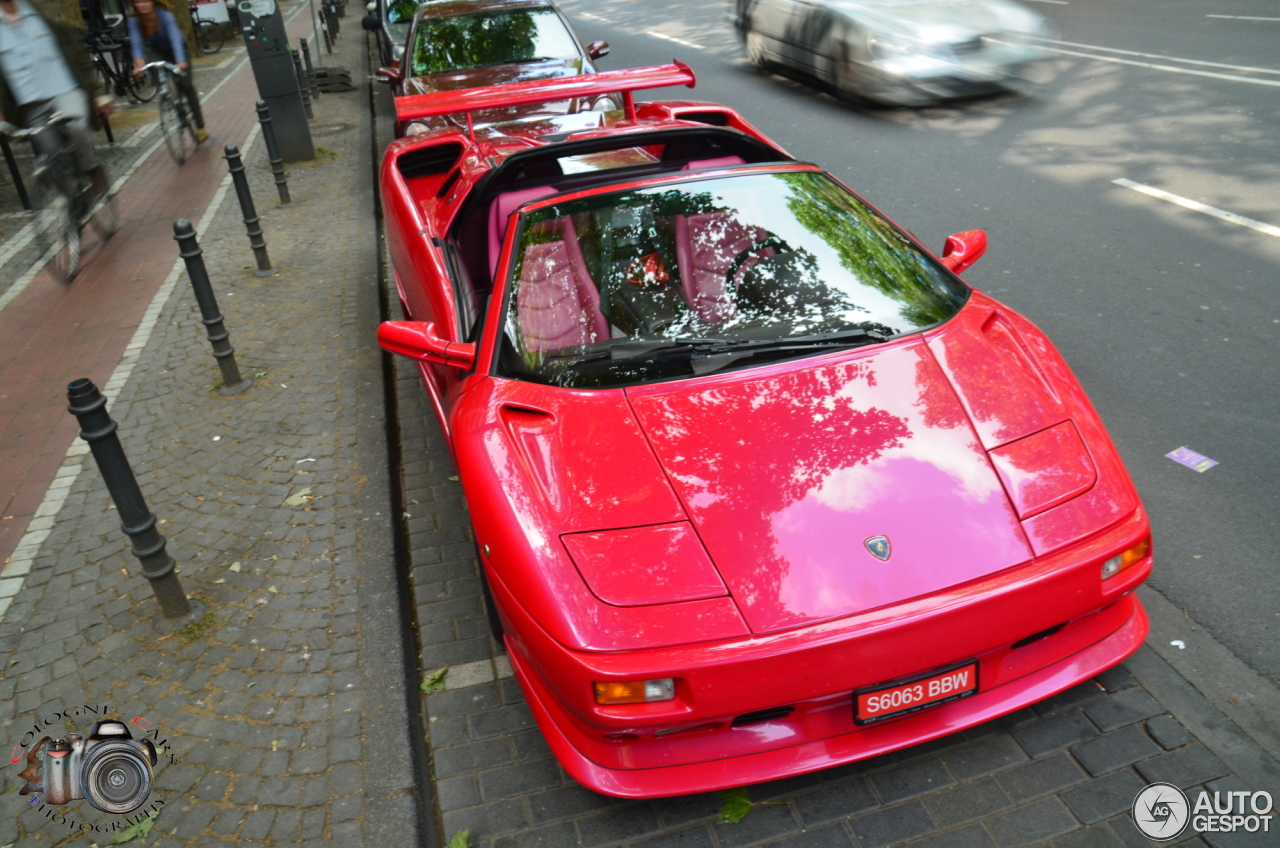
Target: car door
[[805, 39]]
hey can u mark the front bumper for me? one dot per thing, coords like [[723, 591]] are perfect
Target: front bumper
[[908, 83], [1035, 630], [657, 781]]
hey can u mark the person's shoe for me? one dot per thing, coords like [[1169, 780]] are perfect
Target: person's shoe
[[201, 135]]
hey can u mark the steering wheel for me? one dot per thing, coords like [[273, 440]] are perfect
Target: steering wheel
[[741, 259]]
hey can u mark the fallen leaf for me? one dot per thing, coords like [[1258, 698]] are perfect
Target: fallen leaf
[[736, 805], [133, 831], [434, 681], [299, 499], [235, 566], [125, 571], [275, 743], [273, 590], [220, 580], [454, 479]]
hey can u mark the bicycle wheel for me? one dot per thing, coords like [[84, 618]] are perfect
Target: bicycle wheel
[[142, 89], [210, 37], [171, 125], [56, 228], [104, 217]]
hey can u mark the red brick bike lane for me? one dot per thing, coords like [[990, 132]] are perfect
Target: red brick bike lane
[[56, 332]]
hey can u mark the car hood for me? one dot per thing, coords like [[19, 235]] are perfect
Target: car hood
[[790, 472], [495, 75], [941, 20]]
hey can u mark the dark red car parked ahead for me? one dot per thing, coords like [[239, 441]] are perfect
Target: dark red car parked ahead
[[464, 44]]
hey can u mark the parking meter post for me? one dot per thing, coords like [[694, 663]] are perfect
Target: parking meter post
[[311, 71], [267, 44], [302, 85], [89, 407], [273, 155], [315, 30], [251, 222], [189, 249]]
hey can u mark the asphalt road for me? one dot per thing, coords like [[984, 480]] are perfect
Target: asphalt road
[[1169, 316]]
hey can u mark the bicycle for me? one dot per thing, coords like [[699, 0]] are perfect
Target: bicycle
[[111, 58], [209, 35], [175, 115], [62, 198]]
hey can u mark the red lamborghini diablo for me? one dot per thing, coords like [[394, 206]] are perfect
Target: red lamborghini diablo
[[759, 485]]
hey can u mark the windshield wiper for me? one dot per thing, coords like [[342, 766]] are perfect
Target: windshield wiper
[[637, 349], [719, 356]]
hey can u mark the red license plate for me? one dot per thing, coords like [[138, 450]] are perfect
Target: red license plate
[[899, 699]]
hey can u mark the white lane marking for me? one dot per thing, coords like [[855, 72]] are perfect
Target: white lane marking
[[1169, 68], [1196, 205], [1166, 58], [140, 134], [13, 572], [1241, 18], [674, 40]]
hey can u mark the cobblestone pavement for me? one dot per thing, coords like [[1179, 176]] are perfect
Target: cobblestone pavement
[[288, 706], [1062, 774]]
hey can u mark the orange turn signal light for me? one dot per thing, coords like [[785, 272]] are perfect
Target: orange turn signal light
[[1121, 561], [634, 691]]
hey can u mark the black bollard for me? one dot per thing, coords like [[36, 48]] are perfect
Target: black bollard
[[273, 154], [185, 235], [138, 522], [324, 30], [302, 85], [311, 72], [251, 223]]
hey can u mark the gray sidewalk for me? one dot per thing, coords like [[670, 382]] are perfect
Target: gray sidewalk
[[288, 706]]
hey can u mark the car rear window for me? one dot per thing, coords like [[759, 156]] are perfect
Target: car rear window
[[650, 284]]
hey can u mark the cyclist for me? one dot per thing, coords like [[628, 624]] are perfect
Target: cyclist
[[45, 68], [153, 28]]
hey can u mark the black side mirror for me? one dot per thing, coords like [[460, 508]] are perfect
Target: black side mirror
[[371, 23], [596, 49]]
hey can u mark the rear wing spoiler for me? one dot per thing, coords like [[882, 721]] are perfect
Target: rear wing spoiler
[[468, 100]]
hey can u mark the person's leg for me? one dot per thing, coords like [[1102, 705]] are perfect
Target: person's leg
[[187, 85], [75, 105]]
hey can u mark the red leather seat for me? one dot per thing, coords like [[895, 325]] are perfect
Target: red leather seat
[[557, 302], [706, 245]]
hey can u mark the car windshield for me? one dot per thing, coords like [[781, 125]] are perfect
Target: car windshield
[[462, 42], [678, 280]]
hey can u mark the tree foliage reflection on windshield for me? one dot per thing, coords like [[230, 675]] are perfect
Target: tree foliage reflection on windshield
[[462, 42], [639, 285]]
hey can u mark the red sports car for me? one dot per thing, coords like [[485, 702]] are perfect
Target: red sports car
[[759, 485]]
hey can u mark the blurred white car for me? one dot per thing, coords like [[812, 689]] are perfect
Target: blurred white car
[[900, 52]]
